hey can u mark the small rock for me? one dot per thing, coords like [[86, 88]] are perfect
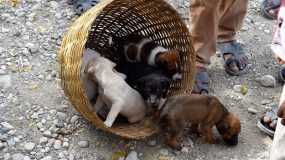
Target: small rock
[[2, 146], [5, 81], [185, 149], [57, 144], [32, 47], [83, 144], [132, 156], [18, 156], [43, 140], [65, 144], [27, 158], [6, 125], [61, 116], [74, 119], [47, 133], [53, 4], [237, 88], [266, 101], [151, 143], [163, 152], [29, 146], [252, 110], [267, 81], [47, 158]]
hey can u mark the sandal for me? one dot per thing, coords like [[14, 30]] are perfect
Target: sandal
[[269, 8], [237, 64], [83, 5], [269, 126], [201, 81]]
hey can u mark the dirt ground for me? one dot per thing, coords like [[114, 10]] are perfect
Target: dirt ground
[[35, 107]]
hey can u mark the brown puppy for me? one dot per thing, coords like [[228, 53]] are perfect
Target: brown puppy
[[201, 111]]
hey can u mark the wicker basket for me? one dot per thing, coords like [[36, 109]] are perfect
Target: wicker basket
[[152, 18]]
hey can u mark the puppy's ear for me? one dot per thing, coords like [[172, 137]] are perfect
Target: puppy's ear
[[223, 127]]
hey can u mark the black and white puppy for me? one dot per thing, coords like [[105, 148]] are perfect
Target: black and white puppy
[[151, 82], [139, 49]]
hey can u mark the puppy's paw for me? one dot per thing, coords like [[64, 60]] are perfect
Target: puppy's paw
[[108, 124]]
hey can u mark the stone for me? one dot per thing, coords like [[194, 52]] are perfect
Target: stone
[[32, 48], [27, 158], [47, 158], [132, 156], [74, 119], [6, 125], [252, 110], [267, 81], [29, 146], [43, 140], [237, 88], [2, 146], [83, 144], [65, 144], [5, 81], [61, 116], [18, 156], [163, 152], [57, 144], [47, 133]]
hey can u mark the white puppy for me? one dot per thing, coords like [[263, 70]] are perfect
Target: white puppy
[[115, 92]]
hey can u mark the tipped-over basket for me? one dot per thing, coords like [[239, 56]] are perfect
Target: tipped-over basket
[[152, 18]]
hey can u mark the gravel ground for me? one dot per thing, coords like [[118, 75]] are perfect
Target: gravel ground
[[37, 121]]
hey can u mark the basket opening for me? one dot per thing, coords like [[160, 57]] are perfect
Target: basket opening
[[154, 19]]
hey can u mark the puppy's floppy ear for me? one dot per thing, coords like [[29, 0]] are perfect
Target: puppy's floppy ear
[[223, 127]]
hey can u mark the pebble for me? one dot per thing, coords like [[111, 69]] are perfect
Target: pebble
[[61, 116], [5, 81], [132, 156], [43, 140], [29, 146], [83, 144], [74, 119], [267, 81], [252, 110], [163, 152], [65, 144], [32, 47], [6, 126], [2, 146], [18, 156], [47, 158], [57, 144], [47, 133]]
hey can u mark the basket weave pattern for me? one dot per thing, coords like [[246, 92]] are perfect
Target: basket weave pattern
[[152, 18]]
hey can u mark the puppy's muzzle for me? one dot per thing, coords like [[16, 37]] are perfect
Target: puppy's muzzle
[[232, 141], [153, 100]]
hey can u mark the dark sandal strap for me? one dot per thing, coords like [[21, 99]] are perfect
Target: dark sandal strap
[[234, 48]]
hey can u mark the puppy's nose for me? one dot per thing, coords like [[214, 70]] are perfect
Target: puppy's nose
[[233, 141]]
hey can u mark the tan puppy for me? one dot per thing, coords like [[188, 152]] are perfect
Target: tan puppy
[[202, 111]]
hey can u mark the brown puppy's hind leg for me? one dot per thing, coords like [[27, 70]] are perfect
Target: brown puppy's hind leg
[[195, 129]]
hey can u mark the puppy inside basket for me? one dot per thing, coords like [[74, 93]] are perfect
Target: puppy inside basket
[[136, 86]]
